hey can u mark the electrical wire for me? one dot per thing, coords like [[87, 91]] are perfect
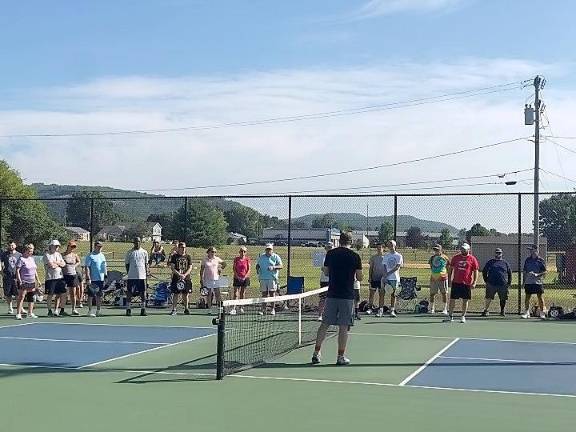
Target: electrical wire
[[287, 119]]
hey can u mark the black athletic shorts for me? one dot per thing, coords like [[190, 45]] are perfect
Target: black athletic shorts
[[55, 286], [95, 289], [460, 291], [491, 291], [136, 287], [237, 283], [375, 284], [534, 289], [10, 286], [181, 287], [29, 297], [71, 281]]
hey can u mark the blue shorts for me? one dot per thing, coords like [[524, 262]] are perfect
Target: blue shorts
[[95, 289]]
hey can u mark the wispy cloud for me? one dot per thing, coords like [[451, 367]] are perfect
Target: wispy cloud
[[375, 8]]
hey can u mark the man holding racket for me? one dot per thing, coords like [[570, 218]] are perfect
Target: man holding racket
[[181, 265], [136, 262]]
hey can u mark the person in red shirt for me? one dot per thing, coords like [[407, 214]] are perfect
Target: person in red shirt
[[462, 277], [241, 269]]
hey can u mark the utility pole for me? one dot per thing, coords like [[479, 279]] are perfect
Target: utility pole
[[538, 85]]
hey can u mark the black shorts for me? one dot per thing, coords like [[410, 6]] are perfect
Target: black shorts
[[55, 286], [491, 291], [71, 281], [534, 289], [375, 284], [356, 295], [237, 283], [10, 286], [136, 287], [95, 288], [460, 291], [181, 287]]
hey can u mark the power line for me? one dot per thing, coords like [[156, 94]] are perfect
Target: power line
[[558, 175], [287, 119], [500, 175], [375, 167], [560, 145]]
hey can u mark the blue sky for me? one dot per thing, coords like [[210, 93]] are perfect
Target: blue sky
[[98, 66]]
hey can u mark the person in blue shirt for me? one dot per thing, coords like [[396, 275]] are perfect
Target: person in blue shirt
[[96, 273], [498, 278], [268, 267], [534, 272]]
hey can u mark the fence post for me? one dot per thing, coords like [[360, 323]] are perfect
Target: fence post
[[185, 233], [1, 212], [91, 224], [289, 236], [519, 250], [395, 217]]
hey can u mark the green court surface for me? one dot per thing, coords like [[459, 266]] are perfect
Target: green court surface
[[172, 388]]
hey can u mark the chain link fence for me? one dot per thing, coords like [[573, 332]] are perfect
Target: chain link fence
[[300, 226]]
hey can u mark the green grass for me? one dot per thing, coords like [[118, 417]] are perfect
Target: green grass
[[158, 391]]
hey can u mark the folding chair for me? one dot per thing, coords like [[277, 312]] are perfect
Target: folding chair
[[407, 298]]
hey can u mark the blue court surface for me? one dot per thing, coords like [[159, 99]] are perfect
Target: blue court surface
[[505, 366], [82, 345]]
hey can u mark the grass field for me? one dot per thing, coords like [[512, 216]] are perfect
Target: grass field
[[301, 265], [162, 390]]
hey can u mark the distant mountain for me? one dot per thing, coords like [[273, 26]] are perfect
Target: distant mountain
[[358, 221]]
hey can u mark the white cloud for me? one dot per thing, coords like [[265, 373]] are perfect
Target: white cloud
[[374, 8], [265, 152]]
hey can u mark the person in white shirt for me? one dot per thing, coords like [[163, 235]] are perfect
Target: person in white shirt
[[210, 270], [393, 261], [136, 262], [54, 282]]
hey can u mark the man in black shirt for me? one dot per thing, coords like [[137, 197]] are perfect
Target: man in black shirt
[[181, 264], [498, 277], [343, 266]]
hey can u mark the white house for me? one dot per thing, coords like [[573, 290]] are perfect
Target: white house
[[78, 233]]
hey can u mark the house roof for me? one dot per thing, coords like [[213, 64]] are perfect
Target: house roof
[[77, 230]]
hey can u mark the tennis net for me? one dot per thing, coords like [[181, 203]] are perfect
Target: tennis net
[[254, 331]]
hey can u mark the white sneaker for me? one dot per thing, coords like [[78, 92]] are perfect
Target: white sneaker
[[233, 312], [241, 310], [91, 314], [273, 311], [393, 313], [463, 319], [32, 315], [10, 310], [526, 315], [18, 316], [445, 312], [320, 318], [432, 311], [449, 319], [80, 306], [380, 312], [342, 361], [369, 311], [75, 312], [174, 312], [260, 312], [543, 315]]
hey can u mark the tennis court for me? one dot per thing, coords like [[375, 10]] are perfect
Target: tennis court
[[413, 373]]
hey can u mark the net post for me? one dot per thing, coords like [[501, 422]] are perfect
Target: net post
[[300, 321], [221, 322]]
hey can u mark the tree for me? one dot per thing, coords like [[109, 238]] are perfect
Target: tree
[[138, 229], [558, 220], [244, 220], [325, 221], [414, 238], [27, 220], [78, 210], [202, 225], [385, 232], [477, 230], [445, 239]]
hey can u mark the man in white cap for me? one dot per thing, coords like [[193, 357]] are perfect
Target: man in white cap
[[54, 282], [462, 277], [267, 269], [534, 272], [498, 277], [391, 279]]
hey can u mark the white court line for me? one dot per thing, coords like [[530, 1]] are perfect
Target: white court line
[[465, 338], [506, 392], [16, 325], [497, 360], [145, 351], [430, 360], [81, 341], [122, 325]]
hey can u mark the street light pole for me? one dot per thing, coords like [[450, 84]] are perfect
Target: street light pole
[[538, 82]]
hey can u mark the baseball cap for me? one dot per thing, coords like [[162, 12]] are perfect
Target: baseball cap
[[532, 247], [269, 246], [54, 243], [498, 250], [211, 249], [392, 242], [465, 246], [98, 243], [437, 247]]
